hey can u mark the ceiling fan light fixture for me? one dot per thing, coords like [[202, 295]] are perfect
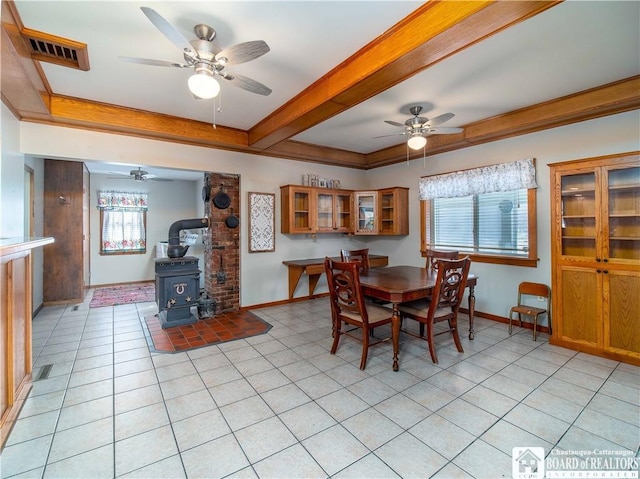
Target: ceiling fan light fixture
[[203, 85], [417, 141]]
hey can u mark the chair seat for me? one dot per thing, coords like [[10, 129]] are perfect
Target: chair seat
[[528, 310], [417, 307], [376, 313]]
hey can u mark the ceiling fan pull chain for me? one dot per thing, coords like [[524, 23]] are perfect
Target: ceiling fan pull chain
[[424, 156], [214, 113]]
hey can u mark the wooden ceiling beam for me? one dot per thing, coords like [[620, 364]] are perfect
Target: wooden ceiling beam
[[23, 89], [431, 33]]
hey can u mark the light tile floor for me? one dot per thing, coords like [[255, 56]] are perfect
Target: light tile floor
[[280, 406]]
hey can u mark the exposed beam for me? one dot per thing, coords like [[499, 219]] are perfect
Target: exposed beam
[[431, 33], [23, 88]]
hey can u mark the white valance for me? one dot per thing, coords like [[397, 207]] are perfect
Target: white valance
[[487, 179], [122, 200]]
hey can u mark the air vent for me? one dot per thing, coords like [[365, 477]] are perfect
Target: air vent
[[61, 51]]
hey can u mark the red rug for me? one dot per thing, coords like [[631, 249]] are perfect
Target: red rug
[[124, 294], [219, 329]]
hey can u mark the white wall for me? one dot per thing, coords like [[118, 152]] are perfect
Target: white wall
[[12, 191], [264, 277], [11, 177]]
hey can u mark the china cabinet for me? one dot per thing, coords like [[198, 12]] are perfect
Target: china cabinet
[[596, 256]]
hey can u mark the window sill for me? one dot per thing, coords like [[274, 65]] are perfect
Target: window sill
[[507, 260]]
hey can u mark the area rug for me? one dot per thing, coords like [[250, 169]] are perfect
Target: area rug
[[204, 332], [124, 294]]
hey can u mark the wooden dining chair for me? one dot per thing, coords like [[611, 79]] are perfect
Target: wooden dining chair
[[433, 255], [445, 302], [348, 306], [360, 256], [531, 290]]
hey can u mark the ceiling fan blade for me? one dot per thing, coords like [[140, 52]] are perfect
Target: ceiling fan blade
[[247, 84], [169, 31], [396, 134], [394, 123], [242, 52], [149, 61], [439, 120], [159, 179], [444, 131]]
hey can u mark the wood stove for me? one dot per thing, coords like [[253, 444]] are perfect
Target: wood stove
[[177, 288]]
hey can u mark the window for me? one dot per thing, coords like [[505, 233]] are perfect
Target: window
[[123, 219], [490, 226]]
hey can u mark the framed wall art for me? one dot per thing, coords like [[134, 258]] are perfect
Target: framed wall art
[[262, 222]]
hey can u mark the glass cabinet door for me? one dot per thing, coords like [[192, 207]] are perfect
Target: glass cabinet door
[[579, 215], [623, 187], [387, 212], [325, 211], [367, 222], [343, 203]]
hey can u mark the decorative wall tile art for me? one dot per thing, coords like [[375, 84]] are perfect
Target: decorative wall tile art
[[262, 222]]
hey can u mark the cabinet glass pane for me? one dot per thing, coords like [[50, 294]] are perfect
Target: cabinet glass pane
[[343, 211], [579, 215], [301, 209], [386, 212], [325, 211], [366, 212], [624, 213]]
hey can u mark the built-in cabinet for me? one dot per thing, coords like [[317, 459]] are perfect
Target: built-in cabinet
[[334, 212], [394, 211], [310, 210], [596, 256], [15, 328], [298, 204]]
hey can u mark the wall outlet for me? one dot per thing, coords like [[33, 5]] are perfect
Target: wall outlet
[[542, 298]]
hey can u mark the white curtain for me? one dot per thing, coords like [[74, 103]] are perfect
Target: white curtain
[[487, 179], [123, 221]]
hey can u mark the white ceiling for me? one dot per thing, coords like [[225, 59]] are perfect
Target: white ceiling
[[570, 47]]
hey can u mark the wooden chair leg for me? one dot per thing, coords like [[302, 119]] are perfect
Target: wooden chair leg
[[432, 349], [453, 325], [365, 348], [421, 330], [336, 336], [535, 325]]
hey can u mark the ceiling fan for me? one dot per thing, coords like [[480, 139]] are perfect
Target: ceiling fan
[[206, 59], [138, 175], [419, 127]]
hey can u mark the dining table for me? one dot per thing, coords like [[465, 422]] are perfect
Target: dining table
[[400, 284]]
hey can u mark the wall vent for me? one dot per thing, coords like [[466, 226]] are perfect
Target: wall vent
[[61, 51]]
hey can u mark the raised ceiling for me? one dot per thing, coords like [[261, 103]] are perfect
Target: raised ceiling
[[337, 69]]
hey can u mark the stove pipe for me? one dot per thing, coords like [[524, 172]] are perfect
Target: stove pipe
[[175, 249]]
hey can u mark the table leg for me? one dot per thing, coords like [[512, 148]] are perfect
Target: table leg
[[395, 334], [313, 281], [472, 309], [295, 272]]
